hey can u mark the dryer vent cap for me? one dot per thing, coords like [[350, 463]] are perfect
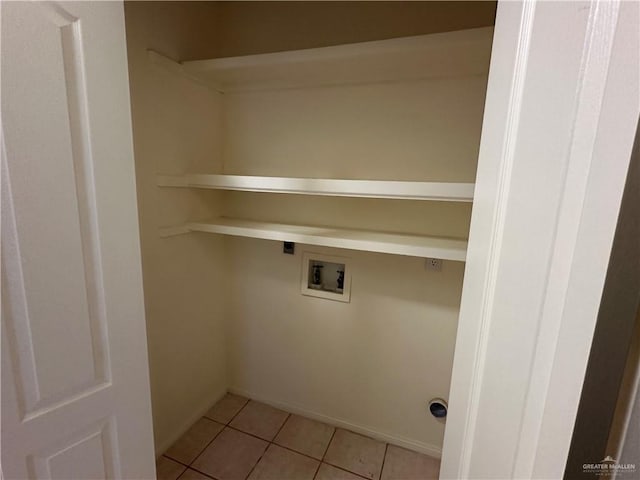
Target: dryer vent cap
[[438, 407]]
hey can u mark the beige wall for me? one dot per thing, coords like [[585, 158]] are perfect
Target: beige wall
[[371, 365], [175, 125], [425, 130], [259, 27], [222, 29]]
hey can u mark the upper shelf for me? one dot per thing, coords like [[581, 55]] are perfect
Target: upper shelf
[[454, 192], [462, 52]]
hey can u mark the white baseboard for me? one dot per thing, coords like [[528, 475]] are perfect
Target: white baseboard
[[420, 447], [199, 413]]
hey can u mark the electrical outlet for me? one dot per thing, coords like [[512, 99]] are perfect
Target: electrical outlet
[[434, 264]]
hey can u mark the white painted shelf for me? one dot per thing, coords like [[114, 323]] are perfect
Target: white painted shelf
[[464, 52], [441, 191], [370, 241]]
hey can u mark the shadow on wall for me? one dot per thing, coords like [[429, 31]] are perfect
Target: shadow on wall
[[225, 29]]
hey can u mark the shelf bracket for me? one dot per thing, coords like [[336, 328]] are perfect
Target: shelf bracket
[[175, 67], [166, 232]]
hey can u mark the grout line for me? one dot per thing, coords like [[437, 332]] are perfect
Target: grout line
[[175, 460], [210, 441], [329, 444], [344, 470], [238, 412], [348, 471], [384, 457], [257, 461], [208, 475], [183, 472], [250, 434], [196, 470], [317, 470], [186, 467], [272, 442], [207, 445], [269, 443], [325, 452], [281, 427], [295, 451], [232, 417]]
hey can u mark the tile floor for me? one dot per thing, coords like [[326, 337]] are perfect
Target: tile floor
[[241, 439]]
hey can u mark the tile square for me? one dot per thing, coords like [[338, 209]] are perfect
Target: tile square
[[260, 420], [329, 472], [189, 446], [231, 456], [305, 436], [167, 469], [403, 464], [356, 453], [281, 464], [193, 475], [226, 408]]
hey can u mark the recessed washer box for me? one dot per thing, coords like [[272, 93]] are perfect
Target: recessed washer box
[[326, 276]]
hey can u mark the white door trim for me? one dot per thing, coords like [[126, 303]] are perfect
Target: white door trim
[[560, 116]]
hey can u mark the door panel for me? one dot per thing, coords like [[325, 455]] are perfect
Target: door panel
[[75, 389], [62, 327], [85, 456]]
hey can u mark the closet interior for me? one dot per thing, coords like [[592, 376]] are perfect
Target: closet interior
[[305, 176]]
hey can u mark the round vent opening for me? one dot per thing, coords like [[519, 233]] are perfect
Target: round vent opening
[[438, 408]]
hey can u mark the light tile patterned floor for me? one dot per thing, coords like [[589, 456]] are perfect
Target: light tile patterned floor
[[241, 439]]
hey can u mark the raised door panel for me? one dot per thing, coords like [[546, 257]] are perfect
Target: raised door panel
[[57, 320], [90, 454]]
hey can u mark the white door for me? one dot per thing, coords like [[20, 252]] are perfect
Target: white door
[[75, 386]]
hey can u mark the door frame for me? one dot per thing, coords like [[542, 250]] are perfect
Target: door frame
[[530, 298]]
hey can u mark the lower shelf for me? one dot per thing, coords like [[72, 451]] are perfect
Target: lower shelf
[[370, 241]]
